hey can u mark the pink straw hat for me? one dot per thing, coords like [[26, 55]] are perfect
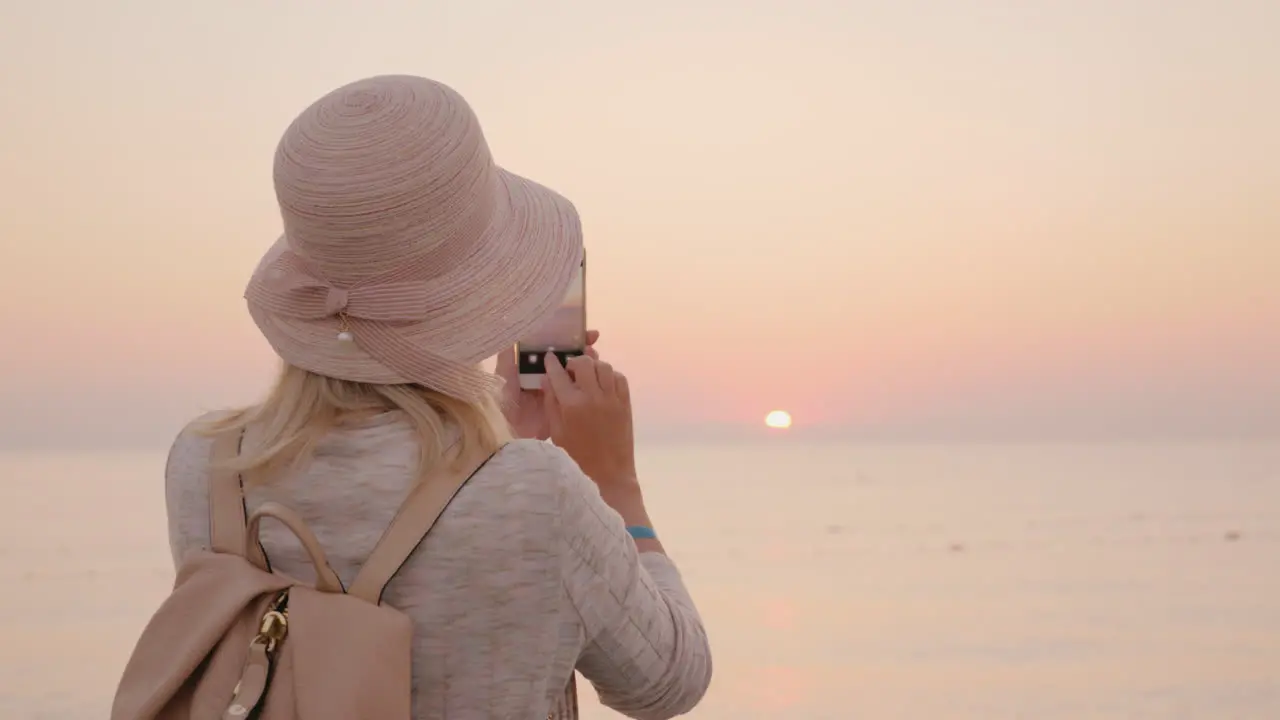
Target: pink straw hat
[[407, 255]]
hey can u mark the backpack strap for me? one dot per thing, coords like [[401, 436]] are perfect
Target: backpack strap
[[416, 517], [227, 510]]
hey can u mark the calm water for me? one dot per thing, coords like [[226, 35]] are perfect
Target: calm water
[[966, 582]]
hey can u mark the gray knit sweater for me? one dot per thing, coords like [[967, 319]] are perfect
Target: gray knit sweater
[[527, 576]]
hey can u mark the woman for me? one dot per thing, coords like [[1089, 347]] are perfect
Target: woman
[[408, 258]]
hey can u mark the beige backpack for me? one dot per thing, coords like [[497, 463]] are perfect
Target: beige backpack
[[235, 640]]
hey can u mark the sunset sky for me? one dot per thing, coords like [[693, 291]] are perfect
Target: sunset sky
[[894, 218]]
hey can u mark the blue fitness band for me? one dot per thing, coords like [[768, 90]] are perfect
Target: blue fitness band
[[640, 532]]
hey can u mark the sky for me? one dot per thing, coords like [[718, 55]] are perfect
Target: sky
[[893, 218]]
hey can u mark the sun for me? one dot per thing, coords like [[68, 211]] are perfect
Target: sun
[[778, 419]]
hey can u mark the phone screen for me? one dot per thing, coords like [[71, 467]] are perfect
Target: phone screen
[[565, 333]]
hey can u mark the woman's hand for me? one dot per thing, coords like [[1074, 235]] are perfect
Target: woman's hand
[[588, 406], [525, 409]]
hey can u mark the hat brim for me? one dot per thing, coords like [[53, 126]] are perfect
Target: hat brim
[[513, 283]]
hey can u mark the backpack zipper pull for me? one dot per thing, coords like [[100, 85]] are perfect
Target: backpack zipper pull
[[257, 667]]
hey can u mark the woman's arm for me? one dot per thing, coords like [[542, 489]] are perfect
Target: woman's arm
[[646, 650]]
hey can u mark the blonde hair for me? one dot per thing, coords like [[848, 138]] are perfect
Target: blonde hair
[[303, 407]]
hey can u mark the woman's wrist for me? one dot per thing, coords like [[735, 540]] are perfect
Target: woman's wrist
[[621, 491], [630, 505], [627, 500]]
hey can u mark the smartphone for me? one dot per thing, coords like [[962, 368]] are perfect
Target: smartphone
[[565, 334]]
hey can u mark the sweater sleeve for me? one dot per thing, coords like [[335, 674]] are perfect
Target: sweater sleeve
[[187, 494], [646, 651]]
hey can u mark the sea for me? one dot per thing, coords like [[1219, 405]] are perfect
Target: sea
[[922, 582]]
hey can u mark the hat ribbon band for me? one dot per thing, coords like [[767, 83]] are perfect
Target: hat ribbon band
[[306, 298]]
